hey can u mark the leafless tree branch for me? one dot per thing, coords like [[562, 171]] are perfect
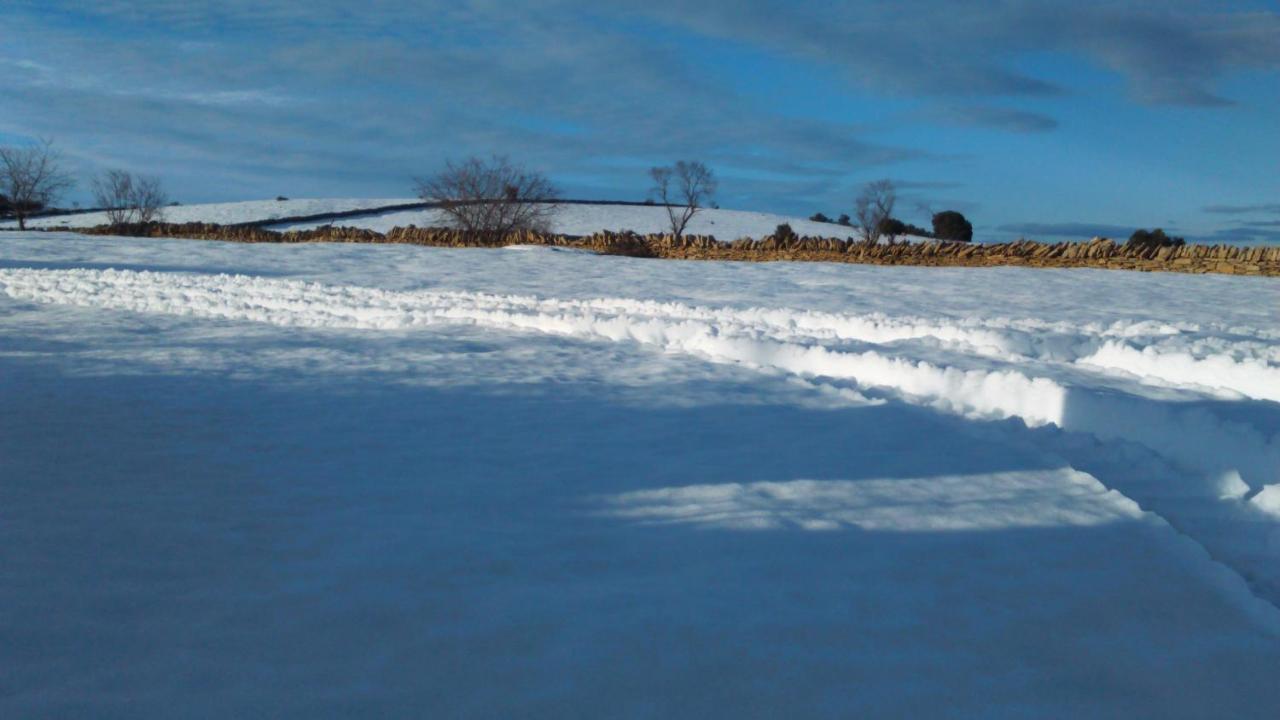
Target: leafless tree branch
[[683, 189], [128, 198], [873, 206], [32, 178], [492, 196], [148, 199], [113, 191]]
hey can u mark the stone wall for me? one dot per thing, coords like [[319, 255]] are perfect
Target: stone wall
[[1097, 253]]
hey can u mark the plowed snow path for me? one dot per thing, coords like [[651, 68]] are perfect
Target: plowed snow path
[[1200, 399]]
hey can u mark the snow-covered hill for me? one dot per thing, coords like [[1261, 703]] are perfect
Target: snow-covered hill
[[572, 218], [227, 213], [584, 219]]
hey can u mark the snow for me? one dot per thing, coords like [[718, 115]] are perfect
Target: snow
[[1251, 376], [571, 219], [585, 219], [391, 480], [225, 213]]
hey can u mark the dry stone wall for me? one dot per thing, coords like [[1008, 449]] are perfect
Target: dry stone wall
[[1097, 253]]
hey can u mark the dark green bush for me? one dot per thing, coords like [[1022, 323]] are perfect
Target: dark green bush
[[894, 227], [951, 225], [1153, 238]]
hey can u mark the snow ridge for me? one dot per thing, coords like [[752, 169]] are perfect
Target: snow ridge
[[812, 344]]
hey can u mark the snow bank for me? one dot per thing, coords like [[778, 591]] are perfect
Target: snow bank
[[1251, 377]]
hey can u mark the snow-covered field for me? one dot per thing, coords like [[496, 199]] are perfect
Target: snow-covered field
[[259, 480], [584, 219], [572, 218], [225, 213]]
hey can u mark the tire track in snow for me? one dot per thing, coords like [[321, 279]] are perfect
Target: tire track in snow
[[783, 340], [723, 336], [1146, 349], [1238, 461]]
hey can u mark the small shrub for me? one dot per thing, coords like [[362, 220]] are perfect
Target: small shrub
[[784, 232], [1153, 238], [129, 198], [819, 217], [493, 196], [844, 220], [281, 198], [148, 199], [951, 225], [894, 227]]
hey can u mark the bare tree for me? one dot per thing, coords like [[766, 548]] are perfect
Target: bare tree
[[873, 206], [32, 178], [683, 189], [148, 199], [492, 196], [113, 191], [924, 208], [129, 198]]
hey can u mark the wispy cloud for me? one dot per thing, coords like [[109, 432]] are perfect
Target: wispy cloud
[[1074, 230], [382, 98], [998, 118], [246, 97], [1170, 52], [1241, 234], [1266, 208]]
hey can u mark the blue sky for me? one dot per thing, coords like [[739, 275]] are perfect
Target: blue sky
[[1052, 119]]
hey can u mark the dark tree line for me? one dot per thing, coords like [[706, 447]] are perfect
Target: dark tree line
[[874, 220]]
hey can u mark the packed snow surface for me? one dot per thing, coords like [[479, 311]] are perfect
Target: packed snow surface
[[250, 480]]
